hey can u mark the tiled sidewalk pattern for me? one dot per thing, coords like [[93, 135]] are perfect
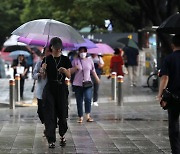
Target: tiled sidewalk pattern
[[137, 127]]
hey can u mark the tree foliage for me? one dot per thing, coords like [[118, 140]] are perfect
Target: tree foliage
[[125, 15], [9, 13]]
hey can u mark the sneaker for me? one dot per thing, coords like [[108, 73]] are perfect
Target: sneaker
[[62, 141], [52, 145], [95, 104]]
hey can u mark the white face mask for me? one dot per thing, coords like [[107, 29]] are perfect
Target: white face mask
[[83, 55]]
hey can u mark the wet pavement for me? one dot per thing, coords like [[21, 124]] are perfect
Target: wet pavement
[[139, 126]]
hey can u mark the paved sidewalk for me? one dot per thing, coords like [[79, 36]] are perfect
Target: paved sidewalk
[[139, 126]]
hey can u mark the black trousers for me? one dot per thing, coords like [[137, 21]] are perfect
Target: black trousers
[[55, 97], [22, 80], [174, 134], [40, 110]]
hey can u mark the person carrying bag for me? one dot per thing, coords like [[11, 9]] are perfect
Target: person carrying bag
[[169, 92], [82, 68]]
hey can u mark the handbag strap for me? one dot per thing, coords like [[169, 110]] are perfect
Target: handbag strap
[[82, 69]]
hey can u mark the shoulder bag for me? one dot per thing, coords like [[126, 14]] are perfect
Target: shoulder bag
[[85, 84]]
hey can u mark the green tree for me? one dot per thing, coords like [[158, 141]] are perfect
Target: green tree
[[125, 15], [9, 12], [36, 10]]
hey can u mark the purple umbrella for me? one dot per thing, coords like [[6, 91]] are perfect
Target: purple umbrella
[[88, 44], [102, 48], [42, 43]]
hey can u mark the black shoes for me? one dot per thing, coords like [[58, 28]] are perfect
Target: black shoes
[[62, 141], [52, 145]]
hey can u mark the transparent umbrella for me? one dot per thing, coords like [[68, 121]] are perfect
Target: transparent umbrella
[[45, 29], [41, 42], [13, 40]]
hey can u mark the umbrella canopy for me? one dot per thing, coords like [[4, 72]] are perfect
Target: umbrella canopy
[[42, 43], [15, 47], [171, 25], [46, 29], [115, 44], [102, 48], [16, 53], [128, 42], [13, 40], [88, 44]]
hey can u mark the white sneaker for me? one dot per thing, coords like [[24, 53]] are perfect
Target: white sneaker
[[95, 104]]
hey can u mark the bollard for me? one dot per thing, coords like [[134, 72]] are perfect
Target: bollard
[[17, 87], [120, 96], [11, 94], [113, 85]]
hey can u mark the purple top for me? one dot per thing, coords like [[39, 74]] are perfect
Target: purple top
[[88, 67]]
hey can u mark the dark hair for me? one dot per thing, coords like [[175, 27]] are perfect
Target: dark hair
[[116, 51], [80, 48], [56, 43], [176, 40]]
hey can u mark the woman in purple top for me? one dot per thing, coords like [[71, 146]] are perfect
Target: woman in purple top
[[83, 67]]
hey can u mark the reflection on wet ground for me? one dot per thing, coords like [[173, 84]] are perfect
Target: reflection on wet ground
[[139, 126], [115, 130]]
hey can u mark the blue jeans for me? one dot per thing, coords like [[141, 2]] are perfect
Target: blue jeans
[[80, 94]]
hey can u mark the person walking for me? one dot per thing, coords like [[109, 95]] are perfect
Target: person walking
[[83, 67], [20, 67], [40, 81], [116, 63], [98, 64], [55, 93], [131, 57], [170, 75]]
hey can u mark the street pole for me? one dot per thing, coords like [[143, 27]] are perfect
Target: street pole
[[113, 85], [120, 96], [11, 94]]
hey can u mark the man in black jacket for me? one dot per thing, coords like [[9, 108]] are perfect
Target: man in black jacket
[[170, 76]]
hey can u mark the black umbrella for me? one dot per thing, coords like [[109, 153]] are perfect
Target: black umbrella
[[171, 25], [15, 47], [128, 42], [115, 44]]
